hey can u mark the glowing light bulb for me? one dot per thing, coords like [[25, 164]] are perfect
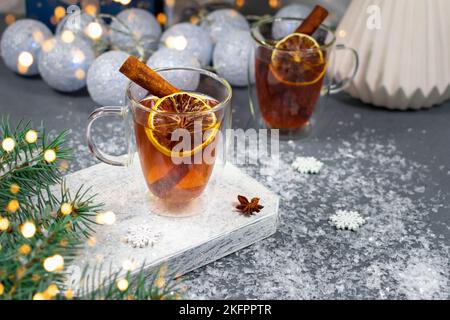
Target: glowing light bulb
[[179, 43], [66, 208], [59, 12], [8, 144], [25, 59], [52, 290], [50, 155], [162, 18], [31, 136], [160, 282], [69, 294], [4, 224], [128, 265], [240, 3], [125, 2], [122, 284], [38, 36], [13, 206], [107, 218], [67, 36], [91, 241], [28, 229], [38, 296], [94, 30], [80, 74], [14, 189], [54, 263], [48, 45], [91, 9], [274, 3], [342, 33], [24, 249], [10, 19], [78, 56]]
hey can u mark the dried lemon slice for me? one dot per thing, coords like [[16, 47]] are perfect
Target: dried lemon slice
[[181, 111], [298, 60]]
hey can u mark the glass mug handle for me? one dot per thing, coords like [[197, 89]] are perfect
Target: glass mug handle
[[341, 85], [119, 112]]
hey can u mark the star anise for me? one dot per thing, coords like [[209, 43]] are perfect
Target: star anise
[[248, 208]]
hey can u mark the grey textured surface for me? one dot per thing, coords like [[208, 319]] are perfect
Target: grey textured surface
[[392, 167]]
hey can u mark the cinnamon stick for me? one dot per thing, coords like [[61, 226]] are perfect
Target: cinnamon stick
[[143, 75], [313, 21]]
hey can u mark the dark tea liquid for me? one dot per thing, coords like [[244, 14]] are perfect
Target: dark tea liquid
[[175, 183], [283, 105]]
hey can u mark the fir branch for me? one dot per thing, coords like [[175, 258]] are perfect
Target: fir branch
[[32, 193]]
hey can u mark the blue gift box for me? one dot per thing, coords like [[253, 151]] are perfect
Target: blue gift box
[[44, 10]]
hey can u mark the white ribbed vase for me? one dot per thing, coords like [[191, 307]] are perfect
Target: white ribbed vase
[[405, 64]]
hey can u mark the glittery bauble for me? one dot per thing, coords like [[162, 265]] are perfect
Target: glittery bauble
[[233, 57], [87, 27], [64, 62], [188, 37], [21, 43], [220, 23], [282, 29], [142, 29], [106, 85], [172, 58]]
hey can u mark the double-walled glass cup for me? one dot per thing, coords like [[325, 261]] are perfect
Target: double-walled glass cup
[[181, 143], [291, 73]]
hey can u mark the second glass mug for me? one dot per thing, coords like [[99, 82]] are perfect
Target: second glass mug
[[290, 80], [175, 178]]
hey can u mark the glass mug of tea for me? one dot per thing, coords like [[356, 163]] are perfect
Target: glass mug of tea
[[174, 174], [291, 73]]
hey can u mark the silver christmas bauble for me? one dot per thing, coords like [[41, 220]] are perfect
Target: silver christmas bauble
[[221, 22], [106, 85], [87, 27], [171, 58], [64, 62], [141, 29], [21, 44], [233, 56], [188, 37], [281, 29]]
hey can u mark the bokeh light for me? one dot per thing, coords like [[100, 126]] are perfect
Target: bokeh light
[[176, 42], [66, 208], [13, 206], [14, 188], [4, 224], [122, 284], [107, 218], [28, 229], [8, 144], [54, 263], [50, 155], [31, 136], [94, 30]]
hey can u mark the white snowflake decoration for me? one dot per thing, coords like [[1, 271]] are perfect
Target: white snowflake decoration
[[307, 165], [347, 220], [141, 236]]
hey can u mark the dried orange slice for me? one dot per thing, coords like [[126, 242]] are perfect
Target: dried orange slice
[[298, 60], [181, 111]]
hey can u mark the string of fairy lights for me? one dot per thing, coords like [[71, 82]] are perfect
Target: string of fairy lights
[[28, 229]]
